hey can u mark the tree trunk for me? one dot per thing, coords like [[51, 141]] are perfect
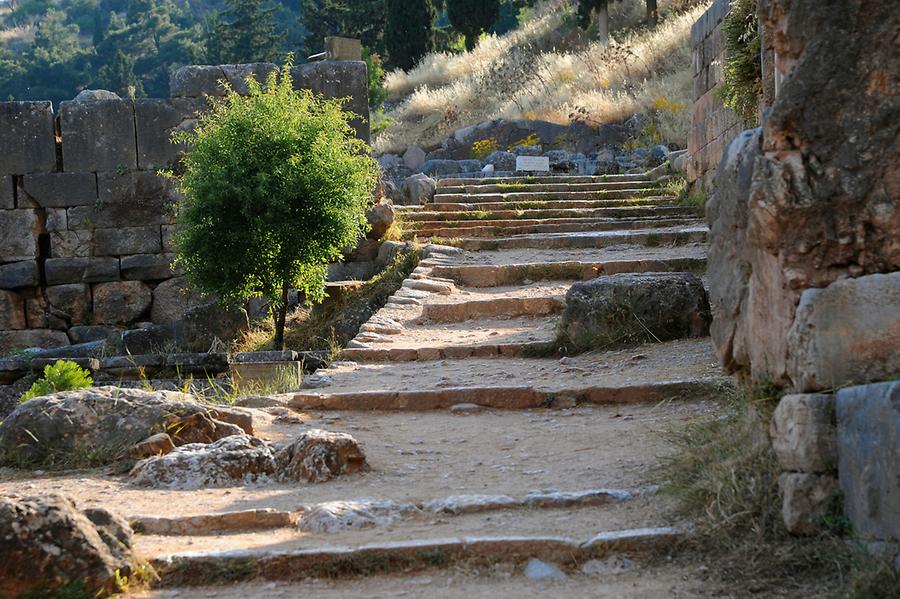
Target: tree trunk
[[280, 317], [471, 41], [652, 14], [603, 23]]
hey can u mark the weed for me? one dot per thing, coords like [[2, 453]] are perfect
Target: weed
[[61, 376], [531, 140], [483, 148]]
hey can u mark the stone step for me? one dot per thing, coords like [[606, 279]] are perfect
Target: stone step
[[304, 562], [495, 275], [418, 225], [501, 213], [398, 352], [486, 230], [539, 180], [650, 238], [510, 307], [532, 187], [546, 196]]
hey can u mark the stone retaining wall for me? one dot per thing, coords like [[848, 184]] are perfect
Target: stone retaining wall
[[713, 126], [86, 223]]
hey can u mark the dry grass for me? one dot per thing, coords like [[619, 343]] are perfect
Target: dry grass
[[550, 70]]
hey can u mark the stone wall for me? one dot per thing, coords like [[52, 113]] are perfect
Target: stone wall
[[86, 223], [804, 262], [712, 125]]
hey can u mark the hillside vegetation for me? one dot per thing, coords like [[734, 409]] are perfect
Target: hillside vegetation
[[549, 69]]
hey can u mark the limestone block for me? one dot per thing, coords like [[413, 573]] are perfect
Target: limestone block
[[204, 324], [171, 298], [339, 79], [414, 157], [147, 267], [137, 197], [58, 190], [59, 271], [57, 220], [88, 333], [803, 433], [98, 136], [343, 48], [7, 193], [71, 244], [630, 307], [436, 168], [71, 302], [19, 274], [27, 138], [806, 499], [40, 314], [237, 74], [127, 240], [13, 340], [155, 122], [196, 81], [168, 238], [19, 230], [868, 421], [847, 333], [12, 310], [121, 302]]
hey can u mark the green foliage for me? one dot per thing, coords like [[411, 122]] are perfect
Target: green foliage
[[409, 35], [246, 31], [378, 93], [61, 376], [742, 71], [472, 17], [275, 184]]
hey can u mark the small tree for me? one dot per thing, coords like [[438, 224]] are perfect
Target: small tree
[[274, 185], [410, 31], [472, 17]]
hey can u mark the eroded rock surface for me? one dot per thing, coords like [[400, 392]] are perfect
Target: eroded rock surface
[[318, 456]]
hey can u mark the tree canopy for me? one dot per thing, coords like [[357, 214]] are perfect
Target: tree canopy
[[410, 31], [472, 17]]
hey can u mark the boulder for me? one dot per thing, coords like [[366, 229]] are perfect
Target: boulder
[[49, 543], [120, 302], [470, 166], [414, 157], [847, 333], [627, 308], [147, 340], [158, 444], [868, 442], [91, 426], [803, 433], [438, 168], [172, 298], [502, 161], [203, 325], [95, 95], [807, 498], [340, 516], [380, 218], [318, 456], [71, 302], [234, 460], [417, 190]]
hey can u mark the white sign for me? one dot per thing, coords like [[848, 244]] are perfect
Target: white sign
[[539, 164]]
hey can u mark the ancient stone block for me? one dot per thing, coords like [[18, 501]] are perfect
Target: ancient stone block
[[147, 340], [171, 298], [414, 157], [98, 136], [71, 244], [155, 122], [87, 333], [196, 81], [205, 324], [127, 240], [803, 433], [627, 308], [868, 421], [339, 79], [57, 220], [806, 499], [23, 339], [147, 267], [847, 333], [58, 190], [168, 238], [19, 274], [59, 271], [120, 302], [19, 230], [7, 193], [138, 197], [237, 74], [12, 310], [71, 302], [40, 314], [27, 138]]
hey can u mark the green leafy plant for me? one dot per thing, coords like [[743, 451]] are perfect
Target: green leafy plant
[[275, 183], [742, 71], [61, 376], [377, 91]]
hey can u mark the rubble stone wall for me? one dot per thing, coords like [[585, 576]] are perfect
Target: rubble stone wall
[[86, 222], [713, 126]]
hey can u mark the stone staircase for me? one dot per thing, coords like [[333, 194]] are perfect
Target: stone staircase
[[488, 451]]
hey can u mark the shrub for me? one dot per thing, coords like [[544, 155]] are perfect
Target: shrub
[[377, 91], [472, 17], [483, 148], [61, 376], [275, 183], [742, 86], [531, 140]]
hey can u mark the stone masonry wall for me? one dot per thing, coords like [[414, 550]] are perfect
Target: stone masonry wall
[[713, 126], [85, 221]]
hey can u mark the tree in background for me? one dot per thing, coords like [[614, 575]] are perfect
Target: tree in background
[[410, 31], [473, 17], [118, 76], [246, 31], [361, 19], [590, 11], [275, 184]]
